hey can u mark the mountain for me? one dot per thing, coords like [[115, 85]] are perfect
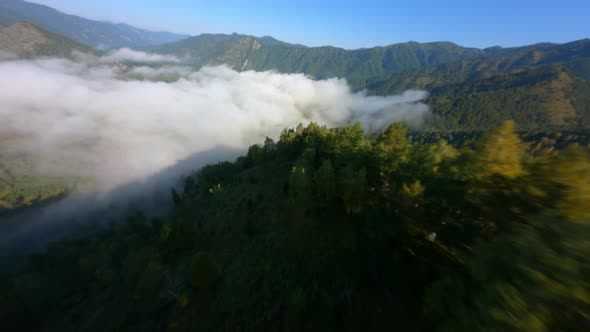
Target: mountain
[[362, 66], [574, 56], [538, 86], [89, 32], [243, 52], [544, 98], [26, 40], [232, 49]]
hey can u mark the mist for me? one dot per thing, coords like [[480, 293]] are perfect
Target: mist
[[118, 126], [127, 54], [136, 127]]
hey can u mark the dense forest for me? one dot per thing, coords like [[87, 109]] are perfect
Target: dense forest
[[333, 229]]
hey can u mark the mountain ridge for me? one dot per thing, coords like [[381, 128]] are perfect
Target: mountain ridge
[[241, 52], [90, 32], [320, 62]]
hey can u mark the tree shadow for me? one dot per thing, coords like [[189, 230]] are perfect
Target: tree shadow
[[82, 213]]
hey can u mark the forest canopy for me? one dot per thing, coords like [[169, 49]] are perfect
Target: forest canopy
[[331, 229]]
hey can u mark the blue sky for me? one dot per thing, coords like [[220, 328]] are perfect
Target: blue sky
[[354, 24]]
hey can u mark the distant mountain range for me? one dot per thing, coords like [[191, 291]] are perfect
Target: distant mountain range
[[251, 53], [363, 66], [539, 86], [92, 33]]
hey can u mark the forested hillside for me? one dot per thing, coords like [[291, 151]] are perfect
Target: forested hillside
[[26, 40], [251, 53], [574, 56], [429, 186], [538, 86], [420, 65], [22, 185], [541, 86], [542, 98], [329, 229]]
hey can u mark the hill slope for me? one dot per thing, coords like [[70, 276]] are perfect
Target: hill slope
[[89, 32], [27, 40], [544, 98], [538, 86], [574, 56], [243, 52]]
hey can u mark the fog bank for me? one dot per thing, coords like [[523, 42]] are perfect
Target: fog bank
[[120, 124]]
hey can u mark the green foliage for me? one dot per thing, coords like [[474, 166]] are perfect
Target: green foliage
[[353, 189], [325, 183], [203, 272], [22, 186], [300, 181], [252, 53], [329, 229], [501, 151], [392, 147], [564, 180], [529, 279]]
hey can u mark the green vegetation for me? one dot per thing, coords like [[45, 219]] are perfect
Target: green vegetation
[[545, 98], [329, 229], [22, 186], [571, 56], [382, 70], [251, 53], [538, 143], [538, 86]]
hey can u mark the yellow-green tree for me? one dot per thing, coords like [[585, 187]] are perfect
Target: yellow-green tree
[[501, 152], [564, 179], [392, 147]]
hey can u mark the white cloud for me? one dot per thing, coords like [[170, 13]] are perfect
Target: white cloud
[[129, 55], [4, 55], [85, 120]]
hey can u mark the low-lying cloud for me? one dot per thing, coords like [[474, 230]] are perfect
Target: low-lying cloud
[[129, 55], [5, 55], [118, 125]]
